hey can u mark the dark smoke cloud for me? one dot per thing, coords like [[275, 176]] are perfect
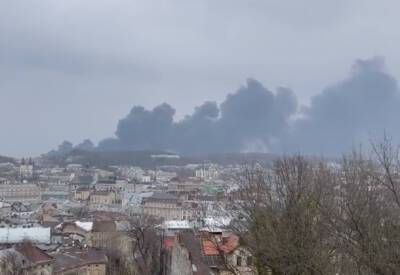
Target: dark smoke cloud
[[142, 130], [351, 112], [252, 115], [354, 110]]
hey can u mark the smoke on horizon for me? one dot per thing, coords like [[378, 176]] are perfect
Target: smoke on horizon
[[252, 114], [347, 113]]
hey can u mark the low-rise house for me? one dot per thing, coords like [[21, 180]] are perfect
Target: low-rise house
[[25, 259], [205, 254], [100, 234], [235, 258], [77, 230]]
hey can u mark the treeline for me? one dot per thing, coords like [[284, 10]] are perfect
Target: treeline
[[314, 217]]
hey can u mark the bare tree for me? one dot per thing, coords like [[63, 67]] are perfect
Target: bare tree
[[368, 220], [10, 263], [140, 252], [306, 217], [281, 219], [147, 244]]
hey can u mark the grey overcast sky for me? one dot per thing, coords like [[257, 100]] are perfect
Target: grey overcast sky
[[70, 69]]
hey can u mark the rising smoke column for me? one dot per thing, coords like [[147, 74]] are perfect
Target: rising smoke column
[[353, 111]]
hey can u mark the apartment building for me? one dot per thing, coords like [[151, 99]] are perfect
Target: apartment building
[[23, 192]]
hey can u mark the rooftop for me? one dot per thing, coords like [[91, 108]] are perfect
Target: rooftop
[[75, 257], [160, 196], [192, 244], [33, 253], [18, 235], [218, 244]]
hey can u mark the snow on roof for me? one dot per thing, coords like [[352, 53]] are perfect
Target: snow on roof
[[17, 235], [217, 221], [175, 224], [85, 225]]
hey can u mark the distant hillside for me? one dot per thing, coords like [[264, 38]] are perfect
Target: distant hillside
[[146, 159], [4, 159]]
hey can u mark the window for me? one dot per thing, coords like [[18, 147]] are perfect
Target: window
[[249, 261], [238, 261]]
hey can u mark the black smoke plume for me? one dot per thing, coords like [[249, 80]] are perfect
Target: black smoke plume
[[352, 111], [253, 116], [356, 110]]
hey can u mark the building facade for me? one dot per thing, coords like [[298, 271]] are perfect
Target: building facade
[[24, 192]]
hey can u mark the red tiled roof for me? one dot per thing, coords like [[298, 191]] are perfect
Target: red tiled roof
[[209, 248], [225, 245]]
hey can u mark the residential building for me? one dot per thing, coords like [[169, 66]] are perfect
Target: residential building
[[204, 253], [23, 192], [82, 194], [25, 259], [162, 205], [77, 260]]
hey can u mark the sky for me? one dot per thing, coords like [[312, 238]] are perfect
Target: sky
[[71, 69]]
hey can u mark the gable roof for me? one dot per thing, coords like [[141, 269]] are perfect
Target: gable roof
[[34, 254], [220, 245], [75, 257]]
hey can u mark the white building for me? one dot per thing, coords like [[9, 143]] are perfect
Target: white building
[[207, 173], [19, 235]]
